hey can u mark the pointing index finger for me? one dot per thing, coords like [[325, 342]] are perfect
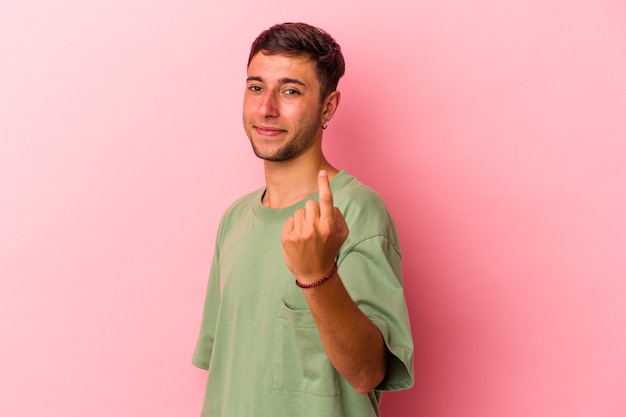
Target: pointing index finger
[[325, 196]]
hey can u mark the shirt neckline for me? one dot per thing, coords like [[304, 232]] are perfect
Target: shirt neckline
[[281, 214]]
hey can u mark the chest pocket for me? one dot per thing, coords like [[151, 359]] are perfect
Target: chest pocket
[[301, 363]]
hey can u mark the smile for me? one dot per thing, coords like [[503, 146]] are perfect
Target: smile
[[268, 131]]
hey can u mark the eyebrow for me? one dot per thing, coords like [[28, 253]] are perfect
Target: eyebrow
[[281, 81]]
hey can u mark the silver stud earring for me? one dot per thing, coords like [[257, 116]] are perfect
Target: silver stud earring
[[325, 124]]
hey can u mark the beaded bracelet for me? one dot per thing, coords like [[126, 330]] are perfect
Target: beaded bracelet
[[319, 281]]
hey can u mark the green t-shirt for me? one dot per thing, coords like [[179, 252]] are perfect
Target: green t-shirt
[[258, 339]]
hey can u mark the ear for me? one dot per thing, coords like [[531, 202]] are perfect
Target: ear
[[330, 106]]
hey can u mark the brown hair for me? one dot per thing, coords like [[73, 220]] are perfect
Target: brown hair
[[293, 39]]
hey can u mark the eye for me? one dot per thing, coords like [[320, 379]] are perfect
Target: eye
[[291, 92], [254, 88]]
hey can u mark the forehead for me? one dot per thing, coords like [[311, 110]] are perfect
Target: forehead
[[277, 66]]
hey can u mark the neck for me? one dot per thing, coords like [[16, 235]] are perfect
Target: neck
[[291, 181]]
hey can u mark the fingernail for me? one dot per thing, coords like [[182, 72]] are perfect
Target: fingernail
[[323, 173]]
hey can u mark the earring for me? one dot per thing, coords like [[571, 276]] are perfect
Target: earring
[[325, 124]]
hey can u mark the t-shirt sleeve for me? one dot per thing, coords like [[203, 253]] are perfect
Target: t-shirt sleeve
[[372, 273], [204, 345]]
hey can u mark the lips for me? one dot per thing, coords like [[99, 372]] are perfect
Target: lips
[[268, 130]]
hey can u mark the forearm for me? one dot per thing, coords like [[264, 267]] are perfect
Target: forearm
[[352, 342], [311, 239]]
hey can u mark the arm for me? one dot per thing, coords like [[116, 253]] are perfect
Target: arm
[[311, 240], [352, 342]]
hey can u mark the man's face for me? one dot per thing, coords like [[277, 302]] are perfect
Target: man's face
[[281, 106]]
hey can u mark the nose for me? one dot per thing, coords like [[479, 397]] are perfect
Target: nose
[[268, 105]]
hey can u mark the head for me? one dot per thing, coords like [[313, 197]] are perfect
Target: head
[[300, 39], [293, 71]]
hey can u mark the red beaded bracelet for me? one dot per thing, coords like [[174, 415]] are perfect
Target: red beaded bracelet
[[319, 281]]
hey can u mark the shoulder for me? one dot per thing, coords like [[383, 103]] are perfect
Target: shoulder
[[238, 209], [357, 200], [364, 210], [243, 203]]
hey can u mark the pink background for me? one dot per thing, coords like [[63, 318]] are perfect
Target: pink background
[[495, 131]]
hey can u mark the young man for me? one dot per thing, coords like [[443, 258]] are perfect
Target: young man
[[305, 312]]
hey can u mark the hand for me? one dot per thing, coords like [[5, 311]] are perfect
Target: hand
[[313, 236]]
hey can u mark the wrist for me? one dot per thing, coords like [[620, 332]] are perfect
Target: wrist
[[318, 282]]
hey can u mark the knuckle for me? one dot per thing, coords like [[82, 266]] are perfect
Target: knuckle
[[325, 230]]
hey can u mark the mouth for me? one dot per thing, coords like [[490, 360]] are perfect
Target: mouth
[[268, 130]]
